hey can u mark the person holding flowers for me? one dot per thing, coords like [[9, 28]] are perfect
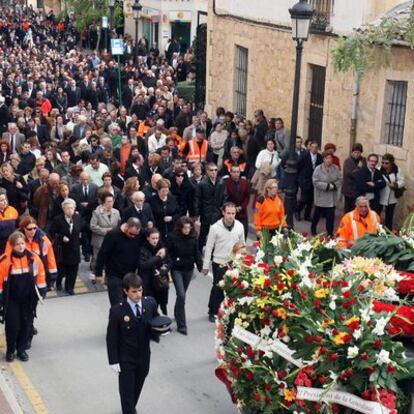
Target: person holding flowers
[[269, 210]]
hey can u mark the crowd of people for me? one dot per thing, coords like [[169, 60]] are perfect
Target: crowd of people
[[147, 186]]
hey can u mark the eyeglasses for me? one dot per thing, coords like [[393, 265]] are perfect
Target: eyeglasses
[[31, 228], [213, 169]]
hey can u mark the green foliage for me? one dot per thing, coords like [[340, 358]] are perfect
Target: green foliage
[[89, 12], [370, 48]]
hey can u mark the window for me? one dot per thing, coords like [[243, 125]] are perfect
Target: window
[[240, 81], [322, 16], [395, 107]]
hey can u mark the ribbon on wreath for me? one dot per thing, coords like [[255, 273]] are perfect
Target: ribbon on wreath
[[308, 393]]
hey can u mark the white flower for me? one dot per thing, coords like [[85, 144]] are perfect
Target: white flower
[[244, 284], [353, 352], [265, 331], [380, 326], [357, 333], [383, 357], [233, 273], [333, 376], [391, 294], [332, 303], [285, 296], [278, 260], [331, 244], [286, 339], [221, 283], [246, 300], [259, 255], [365, 314]]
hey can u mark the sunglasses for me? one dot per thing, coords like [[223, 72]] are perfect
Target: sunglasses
[[31, 228]]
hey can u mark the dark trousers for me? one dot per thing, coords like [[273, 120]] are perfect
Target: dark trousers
[[245, 223], [181, 281], [86, 241], [216, 294], [130, 381], [375, 205], [19, 323], [69, 272], [115, 291], [329, 214], [305, 202], [161, 297], [349, 204], [204, 229], [389, 215]]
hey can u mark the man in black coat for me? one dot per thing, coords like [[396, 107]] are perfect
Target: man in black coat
[[119, 255], [369, 182], [210, 195], [128, 340], [257, 141], [307, 163], [86, 194], [73, 93], [140, 210], [4, 115]]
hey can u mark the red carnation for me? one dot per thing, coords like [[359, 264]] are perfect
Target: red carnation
[[333, 357], [249, 375]]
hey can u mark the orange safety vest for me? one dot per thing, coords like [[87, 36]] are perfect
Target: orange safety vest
[[352, 226], [196, 153], [46, 252], [269, 213], [11, 266], [228, 164]]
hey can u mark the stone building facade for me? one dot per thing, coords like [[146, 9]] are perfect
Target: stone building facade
[[269, 53]]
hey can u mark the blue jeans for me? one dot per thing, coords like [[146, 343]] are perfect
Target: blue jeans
[[181, 281]]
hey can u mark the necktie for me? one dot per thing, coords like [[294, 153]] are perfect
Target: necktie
[[271, 159], [85, 189], [138, 312], [12, 143]]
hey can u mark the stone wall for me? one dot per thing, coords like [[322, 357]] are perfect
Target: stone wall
[[271, 63]]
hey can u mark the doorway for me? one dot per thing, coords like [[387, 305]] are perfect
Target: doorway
[[317, 98], [182, 32]]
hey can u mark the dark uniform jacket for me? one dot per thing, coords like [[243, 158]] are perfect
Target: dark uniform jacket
[[128, 337]]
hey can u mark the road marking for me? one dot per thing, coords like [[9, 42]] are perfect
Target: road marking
[[25, 382]]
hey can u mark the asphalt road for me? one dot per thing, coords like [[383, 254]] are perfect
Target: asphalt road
[[69, 372]]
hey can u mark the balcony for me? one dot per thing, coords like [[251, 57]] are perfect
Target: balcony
[[322, 17]]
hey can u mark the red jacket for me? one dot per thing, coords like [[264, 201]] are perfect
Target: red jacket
[[239, 195]]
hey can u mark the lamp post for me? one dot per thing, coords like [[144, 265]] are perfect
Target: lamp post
[[111, 10], [301, 14], [136, 10]]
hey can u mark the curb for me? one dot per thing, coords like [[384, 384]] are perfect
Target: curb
[[8, 402]]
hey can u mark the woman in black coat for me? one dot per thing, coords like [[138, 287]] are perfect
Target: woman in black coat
[[184, 253], [154, 259], [15, 186], [66, 231], [164, 208]]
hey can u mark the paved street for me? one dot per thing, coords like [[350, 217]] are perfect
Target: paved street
[[68, 365]]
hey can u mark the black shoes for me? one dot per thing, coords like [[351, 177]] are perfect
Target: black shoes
[[87, 257], [23, 356], [70, 292], [182, 331], [212, 318], [10, 356], [59, 286]]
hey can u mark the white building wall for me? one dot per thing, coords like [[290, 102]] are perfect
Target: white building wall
[[277, 11], [165, 9]]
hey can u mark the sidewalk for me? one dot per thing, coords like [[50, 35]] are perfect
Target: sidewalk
[[8, 402]]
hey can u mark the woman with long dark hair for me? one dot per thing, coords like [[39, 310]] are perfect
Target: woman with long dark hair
[[184, 254]]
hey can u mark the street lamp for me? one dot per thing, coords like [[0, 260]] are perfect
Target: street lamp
[[301, 14], [111, 9], [136, 11]]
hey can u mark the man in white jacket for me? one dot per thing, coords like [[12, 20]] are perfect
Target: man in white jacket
[[156, 140], [223, 235]]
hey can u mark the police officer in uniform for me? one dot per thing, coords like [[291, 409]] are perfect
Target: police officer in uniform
[[128, 335]]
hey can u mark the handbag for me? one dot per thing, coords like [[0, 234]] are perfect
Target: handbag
[[161, 279], [399, 191]]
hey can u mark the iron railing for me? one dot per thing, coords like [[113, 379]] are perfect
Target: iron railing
[[322, 16]]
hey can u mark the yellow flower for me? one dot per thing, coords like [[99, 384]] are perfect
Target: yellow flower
[[290, 395], [260, 281], [262, 302], [327, 323], [321, 293], [238, 322], [350, 320], [281, 313], [379, 288], [339, 339], [285, 329]]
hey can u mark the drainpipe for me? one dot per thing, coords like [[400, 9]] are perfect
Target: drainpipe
[[355, 107]]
